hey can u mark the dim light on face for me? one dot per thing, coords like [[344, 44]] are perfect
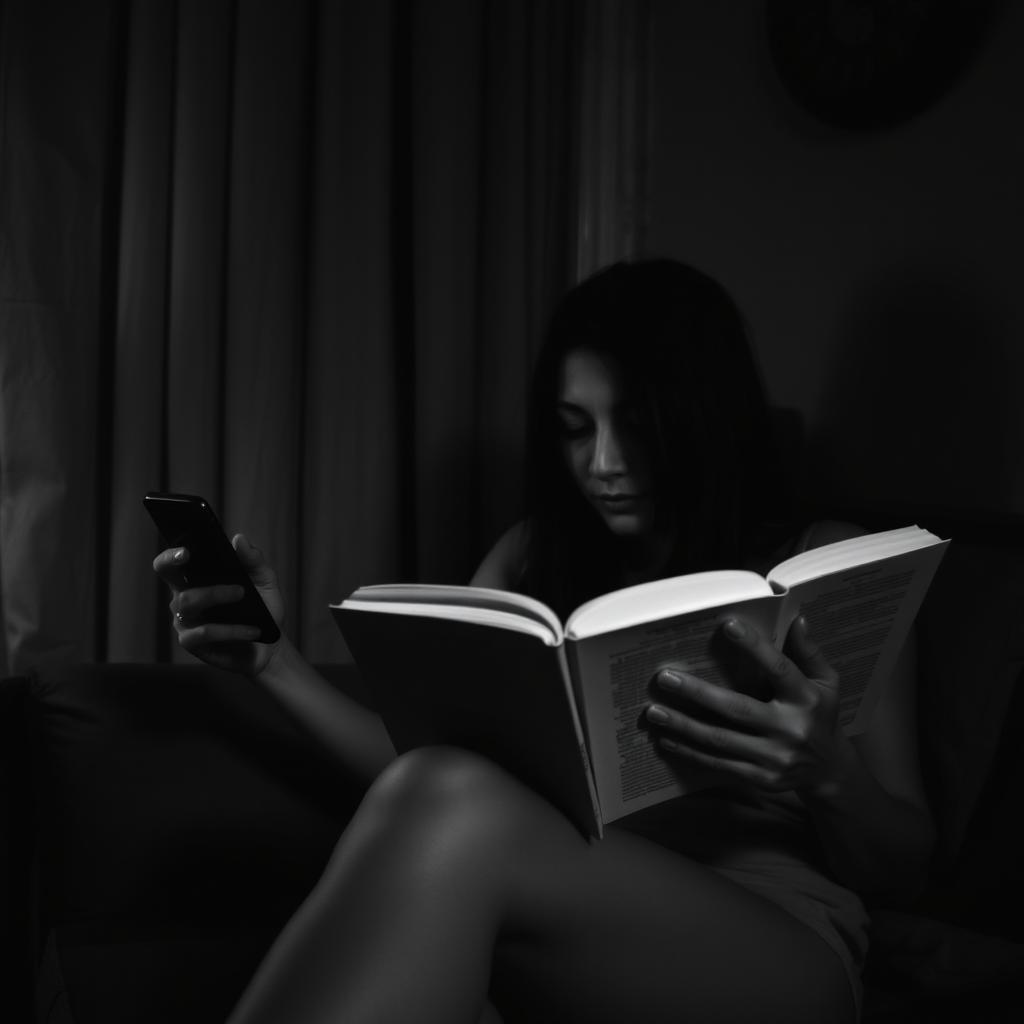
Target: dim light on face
[[603, 444]]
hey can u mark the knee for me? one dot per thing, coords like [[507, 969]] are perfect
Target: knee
[[450, 801], [442, 783], [441, 813]]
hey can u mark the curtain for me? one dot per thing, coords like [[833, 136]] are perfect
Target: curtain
[[295, 257], [614, 133]]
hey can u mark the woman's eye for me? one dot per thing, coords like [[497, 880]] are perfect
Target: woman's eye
[[575, 428]]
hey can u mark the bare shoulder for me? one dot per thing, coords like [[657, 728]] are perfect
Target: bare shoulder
[[503, 564]]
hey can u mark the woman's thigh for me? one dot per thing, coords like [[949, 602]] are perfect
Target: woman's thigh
[[627, 930], [450, 858], [618, 929]]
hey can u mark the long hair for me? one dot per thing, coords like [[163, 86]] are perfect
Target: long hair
[[681, 345]]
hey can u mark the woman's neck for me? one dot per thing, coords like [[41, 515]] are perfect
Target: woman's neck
[[646, 558]]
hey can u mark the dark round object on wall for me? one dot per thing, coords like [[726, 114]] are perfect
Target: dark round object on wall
[[866, 64]]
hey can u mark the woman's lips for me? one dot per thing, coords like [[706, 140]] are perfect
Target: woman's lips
[[618, 502]]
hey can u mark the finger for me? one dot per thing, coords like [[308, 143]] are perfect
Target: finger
[[719, 741], [168, 565], [195, 638], [739, 709], [743, 771], [785, 678], [249, 555], [807, 652], [190, 604], [254, 561]]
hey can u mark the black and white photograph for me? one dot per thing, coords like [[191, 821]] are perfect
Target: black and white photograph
[[511, 511]]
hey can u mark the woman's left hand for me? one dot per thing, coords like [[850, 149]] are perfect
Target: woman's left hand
[[788, 742]]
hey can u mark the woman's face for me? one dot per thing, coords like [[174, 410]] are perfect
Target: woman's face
[[603, 445]]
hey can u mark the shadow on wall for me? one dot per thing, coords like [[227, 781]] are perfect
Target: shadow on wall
[[918, 409]]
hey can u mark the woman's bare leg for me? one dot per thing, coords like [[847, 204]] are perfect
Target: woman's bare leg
[[451, 868]]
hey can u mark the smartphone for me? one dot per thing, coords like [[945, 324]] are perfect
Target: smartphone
[[188, 521]]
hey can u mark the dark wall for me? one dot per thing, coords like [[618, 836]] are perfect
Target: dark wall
[[881, 270]]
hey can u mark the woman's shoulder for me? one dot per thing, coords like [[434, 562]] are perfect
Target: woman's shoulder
[[503, 564]]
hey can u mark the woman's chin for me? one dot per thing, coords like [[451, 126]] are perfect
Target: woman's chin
[[628, 526]]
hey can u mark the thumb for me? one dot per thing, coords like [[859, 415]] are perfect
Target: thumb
[[249, 554], [807, 652], [252, 558]]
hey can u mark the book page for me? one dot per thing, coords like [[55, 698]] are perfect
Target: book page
[[861, 618], [677, 595], [846, 554], [481, 616], [613, 674], [453, 596]]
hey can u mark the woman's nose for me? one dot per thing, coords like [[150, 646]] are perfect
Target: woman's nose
[[608, 458]]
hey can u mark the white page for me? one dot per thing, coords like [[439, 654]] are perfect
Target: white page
[[461, 613], [848, 554], [452, 595], [661, 599]]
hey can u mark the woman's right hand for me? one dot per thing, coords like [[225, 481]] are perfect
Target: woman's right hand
[[221, 644]]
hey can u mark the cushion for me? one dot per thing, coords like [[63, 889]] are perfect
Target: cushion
[[181, 819], [971, 653], [958, 952], [984, 888], [927, 971], [156, 972]]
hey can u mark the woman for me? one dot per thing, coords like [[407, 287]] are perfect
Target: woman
[[455, 889]]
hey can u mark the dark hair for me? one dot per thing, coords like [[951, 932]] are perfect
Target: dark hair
[[682, 348]]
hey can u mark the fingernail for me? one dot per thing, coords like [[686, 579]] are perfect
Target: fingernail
[[179, 554], [656, 714], [670, 677], [735, 629], [805, 628]]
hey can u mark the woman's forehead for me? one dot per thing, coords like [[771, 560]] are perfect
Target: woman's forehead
[[591, 378]]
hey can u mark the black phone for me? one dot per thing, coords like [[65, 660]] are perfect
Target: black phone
[[188, 521]]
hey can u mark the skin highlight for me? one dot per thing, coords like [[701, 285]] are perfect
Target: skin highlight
[[607, 456]]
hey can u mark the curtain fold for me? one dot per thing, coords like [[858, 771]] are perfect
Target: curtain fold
[[138, 363], [615, 127], [53, 171], [303, 253]]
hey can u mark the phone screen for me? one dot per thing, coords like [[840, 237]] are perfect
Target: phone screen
[[188, 521]]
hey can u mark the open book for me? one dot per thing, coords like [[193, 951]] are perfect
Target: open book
[[562, 707]]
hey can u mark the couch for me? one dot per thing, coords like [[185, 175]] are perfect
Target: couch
[[159, 824]]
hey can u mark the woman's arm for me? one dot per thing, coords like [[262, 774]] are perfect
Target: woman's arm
[[351, 735], [503, 564], [871, 812], [355, 736]]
